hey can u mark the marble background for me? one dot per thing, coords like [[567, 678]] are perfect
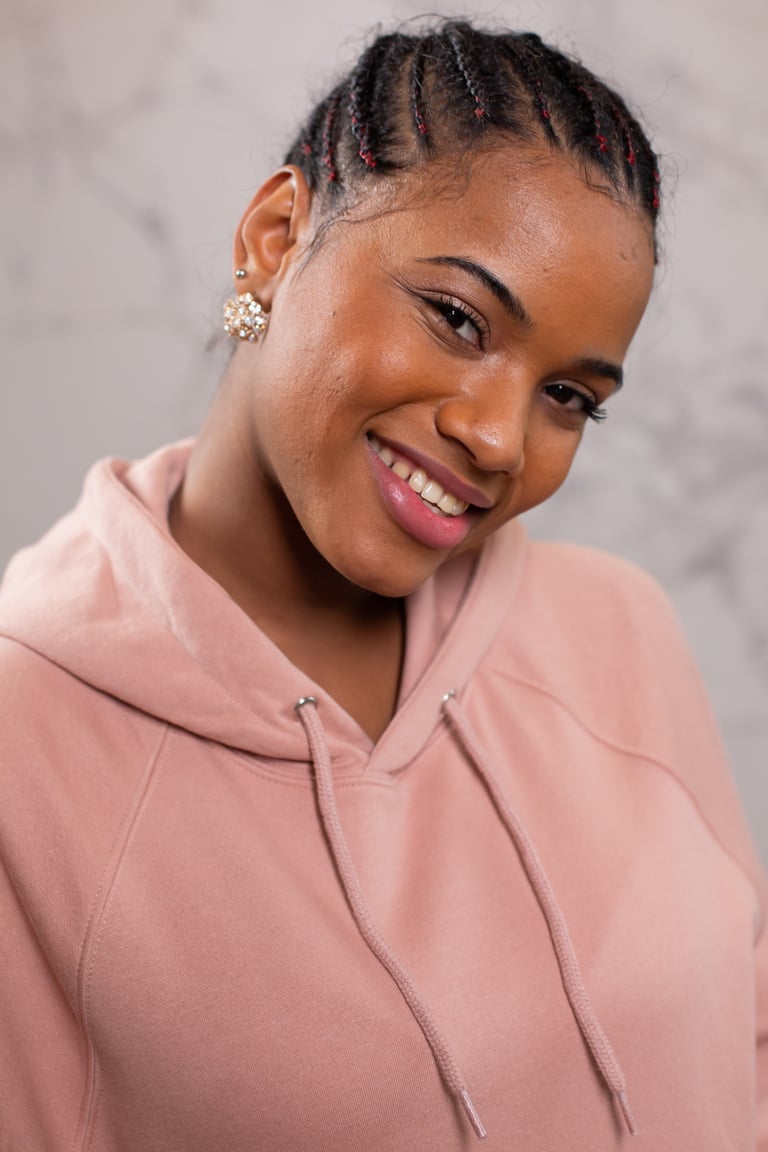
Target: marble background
[[133, 134]]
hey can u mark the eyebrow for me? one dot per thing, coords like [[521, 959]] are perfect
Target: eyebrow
[[515, 307], [513, 304], [602, 368]]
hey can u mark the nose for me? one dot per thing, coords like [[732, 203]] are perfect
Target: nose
[[491, 427]]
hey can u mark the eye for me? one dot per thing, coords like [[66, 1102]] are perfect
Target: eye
[[467, 325], [575, 402]]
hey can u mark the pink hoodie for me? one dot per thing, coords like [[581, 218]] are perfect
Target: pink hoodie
[[232, 925]]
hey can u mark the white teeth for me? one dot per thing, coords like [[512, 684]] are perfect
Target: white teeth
[[433, 494]]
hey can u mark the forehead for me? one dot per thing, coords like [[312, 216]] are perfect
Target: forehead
[[532, 218], [525, 201]]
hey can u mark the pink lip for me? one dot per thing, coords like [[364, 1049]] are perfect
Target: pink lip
[[445, 478], [412, 514]]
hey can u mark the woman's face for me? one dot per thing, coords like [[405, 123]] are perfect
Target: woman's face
[[428, 372]]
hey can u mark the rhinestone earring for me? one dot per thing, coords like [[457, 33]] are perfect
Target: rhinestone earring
[[244, 318]]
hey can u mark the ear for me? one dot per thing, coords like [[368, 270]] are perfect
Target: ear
[[274, 227]]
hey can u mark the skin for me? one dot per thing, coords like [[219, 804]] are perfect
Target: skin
[[368, 337]]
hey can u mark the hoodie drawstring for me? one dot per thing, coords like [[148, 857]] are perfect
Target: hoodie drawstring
[[329, 814], [573, 983]]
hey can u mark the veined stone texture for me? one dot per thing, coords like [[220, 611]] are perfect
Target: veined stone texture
[[133, 135]]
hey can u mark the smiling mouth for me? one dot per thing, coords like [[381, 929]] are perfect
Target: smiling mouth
[[432, 494]]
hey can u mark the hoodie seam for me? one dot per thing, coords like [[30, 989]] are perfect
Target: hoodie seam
[[100, 907], [660, 765]]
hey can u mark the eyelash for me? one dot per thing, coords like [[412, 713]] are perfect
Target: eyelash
[[445, 305], [590, 407]]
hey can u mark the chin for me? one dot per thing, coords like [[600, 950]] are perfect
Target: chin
[[393, 580]]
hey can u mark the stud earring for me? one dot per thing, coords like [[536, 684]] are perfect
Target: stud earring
[[240, 273], [244, 318]]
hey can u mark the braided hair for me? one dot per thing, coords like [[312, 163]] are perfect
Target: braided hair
[[415, 98]]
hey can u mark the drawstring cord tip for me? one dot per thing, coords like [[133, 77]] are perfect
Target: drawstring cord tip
[[474, 1119], [626, 1112]]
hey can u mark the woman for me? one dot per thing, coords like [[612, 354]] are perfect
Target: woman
[[335, 814]]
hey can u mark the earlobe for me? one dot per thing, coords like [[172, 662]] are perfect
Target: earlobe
[[275, 222]]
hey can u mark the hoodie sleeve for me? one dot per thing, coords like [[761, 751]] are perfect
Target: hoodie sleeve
[[71, 764], [42, 1053], [697, 752], [702, 767], [762, 1041]]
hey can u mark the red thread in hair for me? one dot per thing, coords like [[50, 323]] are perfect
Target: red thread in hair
[[543, 109], [368, 156], [618, 116], [421, 123], [600, 139], [475, 89], [306, 148], [526, 64]]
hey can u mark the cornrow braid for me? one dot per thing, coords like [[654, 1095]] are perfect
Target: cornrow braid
[[624, 127], [328, 132], [462, 55], [416, 92], [310, 132], [391, 77], [368, 90], [600, 140], [656, 187], [360, 84], [525, 54], [414, 99]]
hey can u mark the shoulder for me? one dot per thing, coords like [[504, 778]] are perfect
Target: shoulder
[[599, 639], [44, 706], [603, 635], [592, 616], [587, 578], [594, 640], [591, 628], [70, 755]]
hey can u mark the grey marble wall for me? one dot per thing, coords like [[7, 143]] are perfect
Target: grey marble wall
[[131, 137]]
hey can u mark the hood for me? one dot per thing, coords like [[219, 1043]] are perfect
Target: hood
[[111, 598]]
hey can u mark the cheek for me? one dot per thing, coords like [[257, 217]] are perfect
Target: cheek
[[549, 454]]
